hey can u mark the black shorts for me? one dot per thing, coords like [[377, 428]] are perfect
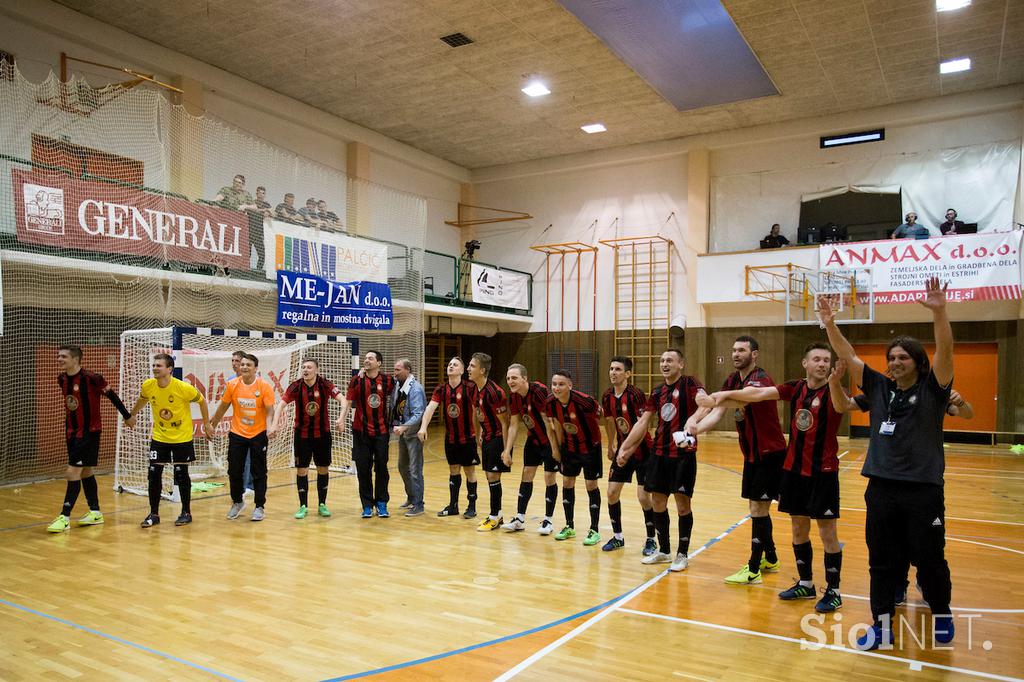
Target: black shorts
[[761, 479], [589, 463], [624, 474], [535, 455], [492, 450], [671, 475], [316, 449], [815, 496], [85, 451], [172, 453], [461, 454]]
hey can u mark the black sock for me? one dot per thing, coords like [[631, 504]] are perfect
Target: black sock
[[471, 494], [70, 497], [769, 542], [494, 487], [156, 474], [804, 554], [595, 508], [661, 525], [525, 493], [322, 481], [833, 568], [757, 543], [685, 529], [615, 513], [649, 522], [184, 483], [550, 500], [302, 485], [569, 505], [454, 484], [92, 493]]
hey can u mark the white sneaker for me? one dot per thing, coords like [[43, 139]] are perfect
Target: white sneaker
[[236, 509], [546, 527], [257, 515], [657, 558], [680, 564], [513, 525]]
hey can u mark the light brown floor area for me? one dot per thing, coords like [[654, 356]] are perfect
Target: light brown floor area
[[323, 598]]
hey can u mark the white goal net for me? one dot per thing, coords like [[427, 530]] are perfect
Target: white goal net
[[203, 358]]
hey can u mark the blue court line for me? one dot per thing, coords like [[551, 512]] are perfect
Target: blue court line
[[524, 633], [119, 640]]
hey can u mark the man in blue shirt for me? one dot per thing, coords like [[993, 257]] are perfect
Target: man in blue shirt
[[911, 229], [409, 401]]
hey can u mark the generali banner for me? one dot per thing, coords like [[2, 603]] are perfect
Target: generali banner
[[56, 210], [978, 267]]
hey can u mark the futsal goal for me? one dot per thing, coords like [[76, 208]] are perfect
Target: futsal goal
[[202, 357]]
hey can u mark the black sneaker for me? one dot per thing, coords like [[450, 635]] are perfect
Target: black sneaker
[[798, 591], [470, 513], [183, 519], [151, 520], [448, 511], [829, 602]]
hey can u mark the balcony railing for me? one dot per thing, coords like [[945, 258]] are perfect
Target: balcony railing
[[447, 281]]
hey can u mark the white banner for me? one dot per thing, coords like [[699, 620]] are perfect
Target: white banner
[[981, 267], [333, 256], [500, 287]]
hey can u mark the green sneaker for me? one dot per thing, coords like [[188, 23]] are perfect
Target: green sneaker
[[769, 566], [323, 511], [301, 514], [59, 525], [744, 577], [566, 533], [93, 518], [593, 537]]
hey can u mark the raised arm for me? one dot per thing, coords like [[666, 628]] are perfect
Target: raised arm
[[958, 407], [840, 345], [840, 400], [935, 300]]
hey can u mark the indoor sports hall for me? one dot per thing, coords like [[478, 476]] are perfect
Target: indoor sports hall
[[269, 269]]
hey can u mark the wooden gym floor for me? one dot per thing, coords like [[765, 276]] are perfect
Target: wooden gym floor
[[429, 598]]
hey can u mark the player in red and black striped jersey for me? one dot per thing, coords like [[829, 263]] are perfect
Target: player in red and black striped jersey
[[575, 426], [622, 405], [312, 440], [528, 407], [455, 398], [80, 392], [672, 469], [368, 395], [764, 449], [810, 479], [491, 410]]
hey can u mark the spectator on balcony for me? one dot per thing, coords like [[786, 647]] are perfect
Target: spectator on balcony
[[911, 229], [286, 209], [310, 214], [774, 240], [262, 205], [235, 196], [329, 218], [952, 225]]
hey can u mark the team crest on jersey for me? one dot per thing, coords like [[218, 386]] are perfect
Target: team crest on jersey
[[816, 403], [675, 393], [316, 394], [803, 419], [454, 411], [75, 387], [373, 401], [912, 399], [739, 414], [166, 414], [668, 411], [528, 420], [72, 402], [312, 409], [622, 424], [571, 428]]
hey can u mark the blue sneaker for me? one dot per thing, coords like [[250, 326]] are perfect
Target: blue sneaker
[[367, 512], [874, 638], [944, 629], [382, 510], [613, 545]]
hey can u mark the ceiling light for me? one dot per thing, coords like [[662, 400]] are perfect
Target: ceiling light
[[954, 65], [593, 128], [852, 138], [950, 5], [536, 89]]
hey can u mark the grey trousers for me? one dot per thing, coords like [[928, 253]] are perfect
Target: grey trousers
[[410, 464]]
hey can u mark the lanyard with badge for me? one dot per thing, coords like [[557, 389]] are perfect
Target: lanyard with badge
[[888, 427]]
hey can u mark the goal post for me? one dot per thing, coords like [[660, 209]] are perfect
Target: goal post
[[202, 357]]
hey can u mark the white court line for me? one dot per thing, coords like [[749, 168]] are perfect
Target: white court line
[[1005, 478], [985, 544], [844, 452], [955, 518], [913, 664], [859, 597], [600, 615]]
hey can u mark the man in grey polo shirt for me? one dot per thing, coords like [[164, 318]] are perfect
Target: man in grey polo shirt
[[409, 401]]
